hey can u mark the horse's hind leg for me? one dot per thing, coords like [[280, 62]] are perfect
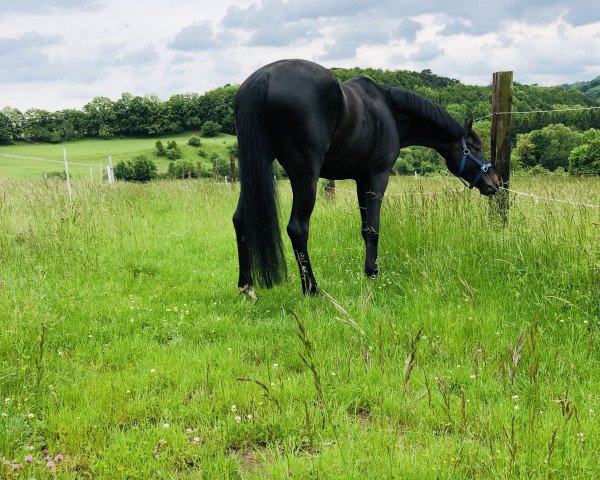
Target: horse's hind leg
[[245, 279], [305, 194]]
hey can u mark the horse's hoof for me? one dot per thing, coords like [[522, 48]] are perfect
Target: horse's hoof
[[248, 293], [313, 293], [371, 273]]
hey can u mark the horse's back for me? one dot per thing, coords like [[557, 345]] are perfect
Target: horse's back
[[302, 106]]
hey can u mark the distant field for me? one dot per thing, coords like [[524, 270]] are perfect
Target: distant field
[[97, 151]]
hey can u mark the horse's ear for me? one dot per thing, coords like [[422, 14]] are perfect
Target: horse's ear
[[468, 124]]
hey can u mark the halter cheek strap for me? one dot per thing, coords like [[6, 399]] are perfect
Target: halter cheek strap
[[484, 167]]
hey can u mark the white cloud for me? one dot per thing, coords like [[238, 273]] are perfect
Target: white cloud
[[61, 53]]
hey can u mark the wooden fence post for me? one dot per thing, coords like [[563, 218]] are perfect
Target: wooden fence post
[[330, 189], [502, 93], [232, 167], [68, 177]]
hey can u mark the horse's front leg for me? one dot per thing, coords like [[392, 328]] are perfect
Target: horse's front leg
[[305, 194], [370, 192]]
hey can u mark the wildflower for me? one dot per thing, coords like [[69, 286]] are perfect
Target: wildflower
[[6, 463], [515, 397], [234, 408], [4, 414], [275, 366], [166, 425], [28, 458], [188, 430], [249, 417], [238, 418], [17, 466], [50, 464], [196, 440], [152, 370], [7, 400], [58, 457], [30, 415], [472, 376]]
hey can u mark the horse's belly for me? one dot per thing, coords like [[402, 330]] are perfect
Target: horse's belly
[[340, 167]]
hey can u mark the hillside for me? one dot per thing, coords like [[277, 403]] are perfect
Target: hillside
[[149, 116], [591, 88]]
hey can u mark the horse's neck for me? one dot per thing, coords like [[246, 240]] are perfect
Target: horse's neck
[[414, 131]]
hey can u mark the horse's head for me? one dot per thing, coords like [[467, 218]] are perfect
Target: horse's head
[[467, 162]]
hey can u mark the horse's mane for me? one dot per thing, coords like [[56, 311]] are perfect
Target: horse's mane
[[420, 107]]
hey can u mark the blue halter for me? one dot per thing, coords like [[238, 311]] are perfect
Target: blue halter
[[467, 154]]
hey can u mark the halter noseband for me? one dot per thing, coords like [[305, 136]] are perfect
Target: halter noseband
[[467, 154]]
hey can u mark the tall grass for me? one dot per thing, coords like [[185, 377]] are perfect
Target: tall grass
[[123, 339]]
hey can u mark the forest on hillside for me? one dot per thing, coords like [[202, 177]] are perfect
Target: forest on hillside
[[147, 116]]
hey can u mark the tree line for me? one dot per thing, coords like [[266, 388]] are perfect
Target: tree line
[[129, 116], [146, 116]]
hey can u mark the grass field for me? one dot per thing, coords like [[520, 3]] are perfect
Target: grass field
[[126, 348], [96, 152]]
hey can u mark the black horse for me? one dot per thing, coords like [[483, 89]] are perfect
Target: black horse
[[316, 126]]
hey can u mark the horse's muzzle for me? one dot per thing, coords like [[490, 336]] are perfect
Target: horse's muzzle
[[489, 189]]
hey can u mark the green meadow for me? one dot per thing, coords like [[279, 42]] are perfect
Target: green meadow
[[96, 152], [126, 350]]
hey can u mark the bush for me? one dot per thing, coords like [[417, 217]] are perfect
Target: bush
[[403, 167], [58, 174], [138, 169], [202, 152], [173, 151], [160, 149], [211, 129], [422, 160], [124, 171], [232, 148], [585, 159], [106, 132], [206, 172], [538, 170], [173, 154], [195, 141], [182, 169]]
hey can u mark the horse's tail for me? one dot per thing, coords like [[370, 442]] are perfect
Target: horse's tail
[[258, 197]]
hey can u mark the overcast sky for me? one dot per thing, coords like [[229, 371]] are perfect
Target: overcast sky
[[61, 53]]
